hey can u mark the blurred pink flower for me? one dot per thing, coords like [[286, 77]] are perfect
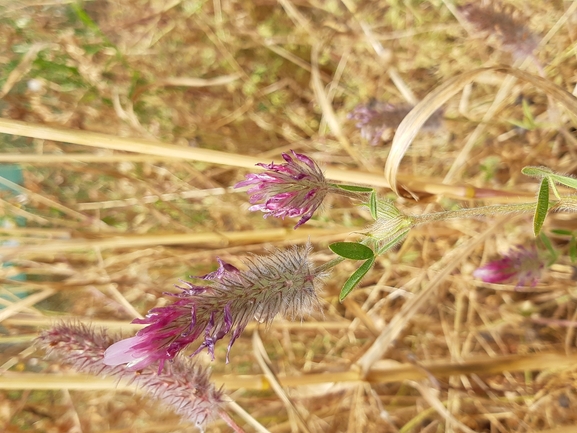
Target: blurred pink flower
[[283, 282], [294, 188], [376, 117], [522, 264], [492, 20]]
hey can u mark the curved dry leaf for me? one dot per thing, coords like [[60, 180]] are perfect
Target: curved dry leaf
[[417, 117]]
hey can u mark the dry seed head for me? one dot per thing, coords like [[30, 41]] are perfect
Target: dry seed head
[[184, 385]]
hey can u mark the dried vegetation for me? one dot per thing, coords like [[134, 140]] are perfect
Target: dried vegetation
[[189, 94]]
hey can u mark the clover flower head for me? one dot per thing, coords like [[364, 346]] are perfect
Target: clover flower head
[[295, 188], [284, 282], [524, 265]]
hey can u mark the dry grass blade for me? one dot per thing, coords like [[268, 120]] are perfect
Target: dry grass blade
[[104, 141], [165, 151], [198, 82], [234, 406], [409, 127], [431, 397], [264, 363], [41, 199], [200, 239], [326, 107], [480, 365], [26, 302], [45, 159]]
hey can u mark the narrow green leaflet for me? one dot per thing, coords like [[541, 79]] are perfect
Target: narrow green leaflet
[[373, 205], [354, 188], [356, 278], [393, 242], [564, 180], [546, 172], [562, 232], [536, 171], [352, 250], [542, 206]]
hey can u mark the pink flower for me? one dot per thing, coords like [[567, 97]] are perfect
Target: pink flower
[[283, 282], [295, 188], [521, 264]]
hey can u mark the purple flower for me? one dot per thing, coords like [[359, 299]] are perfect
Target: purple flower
[[522, 264], [295, 188], [376, 117], [184, 386], [283, 282]]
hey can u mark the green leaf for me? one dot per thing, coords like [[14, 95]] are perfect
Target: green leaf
[[373, 205], [546, 172], [356, 278], [562, 232], [564, 180], [542, 206], [393, 242], [354, 188], [352, 250], [536, 171], [573, 249]]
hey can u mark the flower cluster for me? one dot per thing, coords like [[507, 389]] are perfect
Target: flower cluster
[[524, 265], [184, 386], [374, 118], [283, 282], [294, 188]]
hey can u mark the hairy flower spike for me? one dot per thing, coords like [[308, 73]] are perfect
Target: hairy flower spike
[[514, 36], [294, 188], [374, 118], [522, 264], [184, 386], [284, 282]]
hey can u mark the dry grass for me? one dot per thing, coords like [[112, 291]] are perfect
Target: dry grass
[[131, 120]]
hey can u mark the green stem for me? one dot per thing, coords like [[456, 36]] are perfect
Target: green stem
[[476, 212], [329, 265]]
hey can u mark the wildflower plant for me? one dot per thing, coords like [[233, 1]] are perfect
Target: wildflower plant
[[285, 282]]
